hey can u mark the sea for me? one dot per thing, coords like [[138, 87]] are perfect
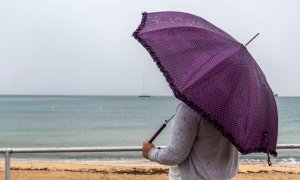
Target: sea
[[111, 121]]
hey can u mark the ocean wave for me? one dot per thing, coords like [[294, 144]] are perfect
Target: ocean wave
[[285, 161]]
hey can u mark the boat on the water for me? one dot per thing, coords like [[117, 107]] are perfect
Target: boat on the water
[[144, 96]]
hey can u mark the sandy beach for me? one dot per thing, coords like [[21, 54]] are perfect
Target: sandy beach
[[109, 171]]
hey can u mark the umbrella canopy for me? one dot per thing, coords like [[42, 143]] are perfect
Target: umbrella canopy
[[215, 75]]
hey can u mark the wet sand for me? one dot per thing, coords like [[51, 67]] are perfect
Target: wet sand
[[110, 171]]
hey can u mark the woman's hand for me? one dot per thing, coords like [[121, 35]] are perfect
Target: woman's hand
[[146, 148]]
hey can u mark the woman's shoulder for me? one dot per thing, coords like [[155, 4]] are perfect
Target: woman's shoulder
[[185, 109]]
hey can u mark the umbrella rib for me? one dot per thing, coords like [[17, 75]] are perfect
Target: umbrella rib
[[203, 76]]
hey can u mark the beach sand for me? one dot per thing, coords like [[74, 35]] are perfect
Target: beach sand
[[109, 171]]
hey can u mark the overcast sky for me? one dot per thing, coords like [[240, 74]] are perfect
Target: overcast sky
[[74, 47]]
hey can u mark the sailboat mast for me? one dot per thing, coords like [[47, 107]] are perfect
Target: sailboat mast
[[143, 89]]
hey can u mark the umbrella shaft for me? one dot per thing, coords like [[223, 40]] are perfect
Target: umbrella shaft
[[157, 132]]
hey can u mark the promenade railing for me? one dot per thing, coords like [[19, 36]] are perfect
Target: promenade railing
[[9, 151]]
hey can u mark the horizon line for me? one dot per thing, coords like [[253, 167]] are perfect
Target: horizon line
[[78, 95], [105, 95]]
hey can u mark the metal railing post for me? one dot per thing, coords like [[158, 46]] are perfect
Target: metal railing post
[[7, 155]]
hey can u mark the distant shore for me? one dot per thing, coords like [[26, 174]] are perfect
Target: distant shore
[[74, 171]]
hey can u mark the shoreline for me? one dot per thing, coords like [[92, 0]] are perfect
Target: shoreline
[[148, 170]]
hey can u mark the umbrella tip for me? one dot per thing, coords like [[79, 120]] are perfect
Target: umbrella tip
[[251, 39]]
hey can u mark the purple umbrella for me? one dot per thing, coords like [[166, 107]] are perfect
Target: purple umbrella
[[215, 75]]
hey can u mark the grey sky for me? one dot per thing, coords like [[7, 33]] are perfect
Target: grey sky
[[85, 47]]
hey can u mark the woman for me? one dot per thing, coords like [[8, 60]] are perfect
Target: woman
[[199, 150]]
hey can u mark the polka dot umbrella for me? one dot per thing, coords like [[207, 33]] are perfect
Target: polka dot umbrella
[[215, 75]]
